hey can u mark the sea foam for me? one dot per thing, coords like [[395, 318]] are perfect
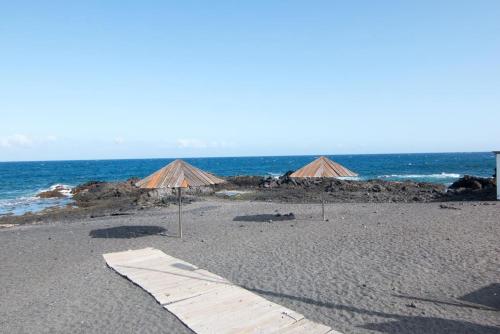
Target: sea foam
[[419, 176], [23, 204], [64, 189]]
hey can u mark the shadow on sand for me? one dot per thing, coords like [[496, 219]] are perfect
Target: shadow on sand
[[126, 232], [488, 296], [399, 324], [264, 218], [409, 324]]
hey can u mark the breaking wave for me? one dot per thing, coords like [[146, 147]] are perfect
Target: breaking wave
[[64, 189], [421, 176], [351, 178], [274, 175], [24, 204]]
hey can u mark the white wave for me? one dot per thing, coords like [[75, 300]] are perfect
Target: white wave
[[21, 205], [33, 203], [13, 202], [350, 178], [64, 189], [274, 175], [419, 176]]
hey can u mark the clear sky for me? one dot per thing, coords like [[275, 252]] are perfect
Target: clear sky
[[144, 79]]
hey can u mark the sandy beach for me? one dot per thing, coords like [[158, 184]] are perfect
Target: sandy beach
[[278, 167], [372, 268]]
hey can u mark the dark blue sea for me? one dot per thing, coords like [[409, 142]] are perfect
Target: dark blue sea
[[21, 181]]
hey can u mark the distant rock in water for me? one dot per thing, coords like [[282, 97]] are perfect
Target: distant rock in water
[[57, 191], [51, 194]]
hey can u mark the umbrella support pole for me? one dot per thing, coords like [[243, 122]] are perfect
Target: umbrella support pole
[[179, 192], [323, 207]]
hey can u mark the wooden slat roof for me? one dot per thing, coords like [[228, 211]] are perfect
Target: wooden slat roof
[[178, 174], [322, 167]]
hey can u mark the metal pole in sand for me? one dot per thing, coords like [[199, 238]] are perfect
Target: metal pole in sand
[[323, 206], [179, 191]]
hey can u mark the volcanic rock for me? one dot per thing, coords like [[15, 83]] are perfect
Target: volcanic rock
[[57, 192], [472, 188], [473, 183]]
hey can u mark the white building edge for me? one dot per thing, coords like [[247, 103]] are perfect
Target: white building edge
[[497, 153]]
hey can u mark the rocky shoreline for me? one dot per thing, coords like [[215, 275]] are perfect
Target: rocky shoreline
[[286, 189], [97, 199]]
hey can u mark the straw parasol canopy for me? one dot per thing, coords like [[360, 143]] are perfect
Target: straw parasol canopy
[[322, 168], [179, 174]]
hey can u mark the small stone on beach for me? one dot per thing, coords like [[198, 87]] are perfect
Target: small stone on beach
[[443, 206]]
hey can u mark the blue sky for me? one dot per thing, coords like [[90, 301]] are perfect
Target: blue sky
[[144, 79]]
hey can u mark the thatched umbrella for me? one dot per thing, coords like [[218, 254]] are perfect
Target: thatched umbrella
[[322, 168], [179, 174]]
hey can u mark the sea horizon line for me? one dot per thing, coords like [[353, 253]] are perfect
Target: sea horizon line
[[247, 156]]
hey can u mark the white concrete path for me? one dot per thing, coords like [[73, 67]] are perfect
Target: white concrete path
[[205, 302]]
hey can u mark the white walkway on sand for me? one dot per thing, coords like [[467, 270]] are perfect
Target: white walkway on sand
[[205, 302]]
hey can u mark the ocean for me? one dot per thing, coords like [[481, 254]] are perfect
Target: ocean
[[21, 181]]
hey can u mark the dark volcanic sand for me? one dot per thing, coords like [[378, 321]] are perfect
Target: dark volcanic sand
[[373, 268]]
